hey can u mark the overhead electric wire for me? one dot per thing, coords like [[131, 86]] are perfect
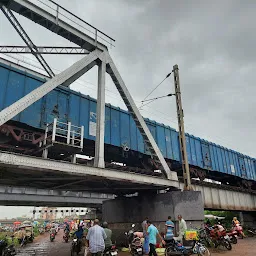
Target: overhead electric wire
[[156, 87]]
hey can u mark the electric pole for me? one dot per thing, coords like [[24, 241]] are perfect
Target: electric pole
[[182, 138]]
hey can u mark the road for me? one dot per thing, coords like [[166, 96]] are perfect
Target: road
[[43, 247]]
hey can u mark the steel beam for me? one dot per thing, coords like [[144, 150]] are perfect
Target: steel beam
[[63, 23], [17, 26], [22, 162], [43, 50], [100, 120], [24, 196], [67, 76], [146, 134]]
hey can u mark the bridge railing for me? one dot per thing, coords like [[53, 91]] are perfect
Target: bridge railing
[[65, 15]]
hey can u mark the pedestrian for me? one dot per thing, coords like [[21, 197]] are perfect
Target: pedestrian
[[108, 241], [152, 234], [182, 229], [145, 235], [169, 226], [95, 239]]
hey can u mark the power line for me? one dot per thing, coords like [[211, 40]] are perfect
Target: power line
[[156, 87]]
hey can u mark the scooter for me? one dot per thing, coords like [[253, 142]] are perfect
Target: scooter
[[111, 251], [134, 242], [75, 247], [52, 236], [239, 229]]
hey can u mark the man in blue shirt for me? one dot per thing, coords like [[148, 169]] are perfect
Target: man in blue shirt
[[169, 226], [152, 233], [145, 235]]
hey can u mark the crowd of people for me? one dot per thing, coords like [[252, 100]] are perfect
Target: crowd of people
[[99, 238]]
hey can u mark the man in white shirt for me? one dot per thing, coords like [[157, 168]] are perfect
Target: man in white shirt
[[95, 237], [182, 229]]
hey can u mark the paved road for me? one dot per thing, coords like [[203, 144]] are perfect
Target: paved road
[[43, 247]]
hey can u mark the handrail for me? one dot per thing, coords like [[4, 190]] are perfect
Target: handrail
[[98, 34], [82, 20]]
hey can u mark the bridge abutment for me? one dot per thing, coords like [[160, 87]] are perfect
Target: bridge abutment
[[121, 212]]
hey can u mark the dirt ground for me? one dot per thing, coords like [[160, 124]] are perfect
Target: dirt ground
[[244, 247], [43, 247]]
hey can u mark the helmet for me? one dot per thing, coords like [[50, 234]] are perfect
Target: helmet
[[105, 224]]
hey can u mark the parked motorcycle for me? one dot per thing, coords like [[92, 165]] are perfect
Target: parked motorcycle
[[232, 236], [134, 242], [75, 247], [111, 251], [251, 231], [5, 249], [175, 248], [220, 238]]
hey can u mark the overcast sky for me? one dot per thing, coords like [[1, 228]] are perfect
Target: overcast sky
[[213, 42]]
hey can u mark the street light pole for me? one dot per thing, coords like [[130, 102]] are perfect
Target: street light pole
[[182, 138]]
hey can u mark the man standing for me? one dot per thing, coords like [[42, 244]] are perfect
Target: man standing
[[145, 235], [108, 241], [95, 238], [152, 234], [169, 226], [182, 228]]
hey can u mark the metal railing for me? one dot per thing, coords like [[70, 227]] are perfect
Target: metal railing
[[58, 131], [65, 15]]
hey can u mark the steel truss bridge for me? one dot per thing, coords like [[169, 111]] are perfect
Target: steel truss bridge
[[51, 182]]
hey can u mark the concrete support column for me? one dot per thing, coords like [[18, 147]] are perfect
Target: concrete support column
[[241, 218], [100, 122]]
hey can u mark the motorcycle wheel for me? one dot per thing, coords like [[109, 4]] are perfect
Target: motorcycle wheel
[[168, 251], [227, 244], [203, 251], [233, 240]]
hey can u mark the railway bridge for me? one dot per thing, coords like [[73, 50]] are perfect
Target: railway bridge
[[42, 178]]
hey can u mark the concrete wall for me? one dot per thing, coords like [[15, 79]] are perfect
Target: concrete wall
[[120, 213]]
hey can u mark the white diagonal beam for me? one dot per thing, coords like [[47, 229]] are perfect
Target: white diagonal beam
[[150, 142], [67, 76]]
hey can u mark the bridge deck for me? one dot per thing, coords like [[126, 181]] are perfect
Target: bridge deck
[[51, 174]]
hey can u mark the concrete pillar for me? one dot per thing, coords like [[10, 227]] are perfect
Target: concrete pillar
[[100, 122], [120, 213], [241, 218]]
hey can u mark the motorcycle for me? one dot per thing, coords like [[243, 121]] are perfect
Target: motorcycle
[[75, 247], [111, 251], [5, 249], [239, 229], [175, 248], [65, 236], [52, 236], [220, 238], [232, 236], [251, 232], [134, 242]]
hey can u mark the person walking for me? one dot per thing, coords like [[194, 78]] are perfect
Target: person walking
[[145, 235], [152, 234], [182, 229], [169, 226], [95, 239], [108, 241]]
